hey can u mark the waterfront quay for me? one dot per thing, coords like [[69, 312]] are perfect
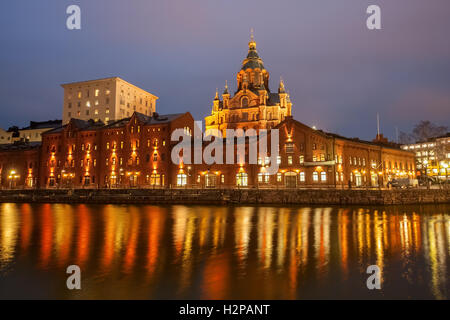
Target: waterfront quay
[[251, 196]]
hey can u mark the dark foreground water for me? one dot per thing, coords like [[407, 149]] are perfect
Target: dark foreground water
[[206, 252]]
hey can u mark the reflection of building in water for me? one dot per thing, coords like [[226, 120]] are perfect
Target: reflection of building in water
[[219, 225], [309, 242], [298, 252], [379, 245], [321, 224], [283, 223], [27, 224], [84, 234], [183, 233], [434, 250], [265, 230], [156, 218], [46, 216], [64, 221], [216, 277], [343, 225], [242, 230], [9, 227], [204, 226], [131, 243]]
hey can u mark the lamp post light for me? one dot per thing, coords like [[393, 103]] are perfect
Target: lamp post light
[[13, 177]]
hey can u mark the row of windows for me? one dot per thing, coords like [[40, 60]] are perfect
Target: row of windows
[[242, 178], [88, 162], [97, 93], [88, 103]]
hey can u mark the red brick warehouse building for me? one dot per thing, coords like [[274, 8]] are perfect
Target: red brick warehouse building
[[130, 152]]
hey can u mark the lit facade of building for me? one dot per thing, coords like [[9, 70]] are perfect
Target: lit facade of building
[[105, 100], [130, 152], [136, 152], [253, 105], [19, 165], [432, 156]]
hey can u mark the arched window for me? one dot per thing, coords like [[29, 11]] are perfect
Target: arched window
[[244, 102]]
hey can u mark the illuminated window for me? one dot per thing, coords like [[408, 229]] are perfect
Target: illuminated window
[[315, 176], [263, 177], [88, 104], [155, 179], [97, 91], [290, 160], [302, 159], [242, 179], [302, 177], [323, 176], [289, 147], [279, 177], [181, 179]]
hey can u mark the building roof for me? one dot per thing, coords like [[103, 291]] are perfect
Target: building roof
[[19, 145], [252, 61], [84, 125], [43, 125], [390, 145], [106, 79], [90, 125]]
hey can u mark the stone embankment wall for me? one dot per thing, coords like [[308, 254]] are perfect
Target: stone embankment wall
[[230, 196]]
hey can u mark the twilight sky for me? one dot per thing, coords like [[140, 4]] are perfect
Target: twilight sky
[[339, 73]]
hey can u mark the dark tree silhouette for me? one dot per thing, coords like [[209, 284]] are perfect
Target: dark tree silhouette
[[422, 131]]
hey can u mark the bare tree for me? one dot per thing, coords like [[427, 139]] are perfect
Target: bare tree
[[425, 129]]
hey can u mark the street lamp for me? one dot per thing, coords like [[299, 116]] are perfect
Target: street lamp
[[13, 176]]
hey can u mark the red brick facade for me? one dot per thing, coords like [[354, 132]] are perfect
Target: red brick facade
[[19, 165], [136, 152]]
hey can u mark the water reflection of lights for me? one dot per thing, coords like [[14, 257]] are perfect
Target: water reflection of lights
[[9, 226], [218, 250]]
